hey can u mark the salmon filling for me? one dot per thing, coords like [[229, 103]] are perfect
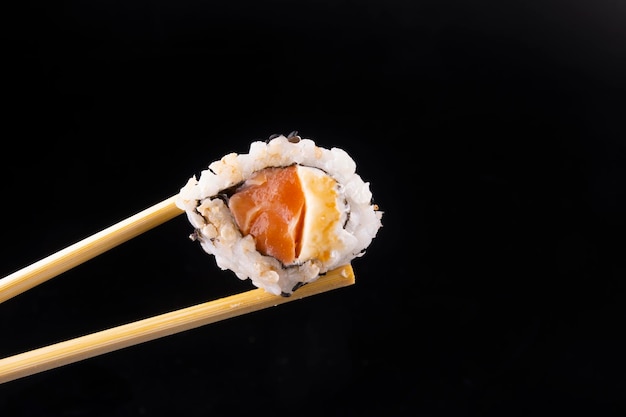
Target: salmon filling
[[272, 207]]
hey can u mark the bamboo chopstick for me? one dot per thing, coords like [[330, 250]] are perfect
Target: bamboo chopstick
[[90, 247], [74, 350]]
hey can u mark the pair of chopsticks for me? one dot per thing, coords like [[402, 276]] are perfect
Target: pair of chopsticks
[[98, 343]]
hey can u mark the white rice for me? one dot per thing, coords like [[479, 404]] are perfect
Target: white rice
[[219, 235]]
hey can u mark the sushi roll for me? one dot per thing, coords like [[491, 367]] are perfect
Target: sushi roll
[[283, 214]]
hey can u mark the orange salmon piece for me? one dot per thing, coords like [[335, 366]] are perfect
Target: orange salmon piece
[[270, 206]]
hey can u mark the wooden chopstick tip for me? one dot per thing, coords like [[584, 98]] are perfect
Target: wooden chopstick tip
[[342, 276]]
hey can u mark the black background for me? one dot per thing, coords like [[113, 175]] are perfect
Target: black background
[[491, 134]]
